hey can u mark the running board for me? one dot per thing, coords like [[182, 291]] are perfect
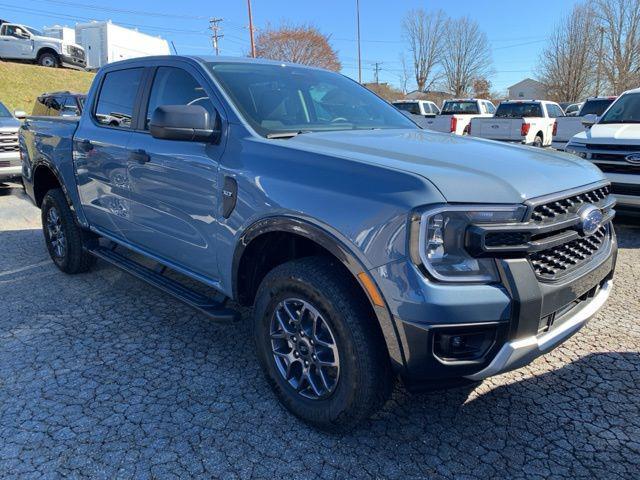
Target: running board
[[215, 309]]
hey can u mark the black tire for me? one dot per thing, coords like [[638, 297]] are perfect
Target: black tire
[[48, 59], [537, 142], [365, 378], [72, 256]]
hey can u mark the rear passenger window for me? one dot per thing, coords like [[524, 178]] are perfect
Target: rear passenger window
[[118, 97], [174, 86], [490, 108], [554, 111]]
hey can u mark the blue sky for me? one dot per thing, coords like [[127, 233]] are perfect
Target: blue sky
[[516, 35]]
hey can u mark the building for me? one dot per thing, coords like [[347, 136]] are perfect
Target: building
[[527, 89], [105, 42], [64, 33]]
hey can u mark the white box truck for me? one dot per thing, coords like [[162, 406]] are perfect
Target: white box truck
[[106, 42]]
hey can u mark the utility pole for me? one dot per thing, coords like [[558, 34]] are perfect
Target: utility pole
[[253, 46], [376, 71], [599, 67], [358, 35], [215, 36]]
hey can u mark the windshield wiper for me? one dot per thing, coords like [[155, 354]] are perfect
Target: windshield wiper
[[286, 134]]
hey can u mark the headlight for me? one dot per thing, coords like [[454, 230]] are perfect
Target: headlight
[[438, 241], [574, 148]]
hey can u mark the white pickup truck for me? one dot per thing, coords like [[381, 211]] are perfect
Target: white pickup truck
[[425, 108], [571, 125], [456, 115], [26, 44], [612, 142], [530, 122]]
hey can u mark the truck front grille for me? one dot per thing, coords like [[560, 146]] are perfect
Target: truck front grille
[[566, 257], [550, 211], [9, 142], [552, 234]]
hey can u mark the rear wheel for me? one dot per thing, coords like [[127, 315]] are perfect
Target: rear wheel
[[66, 241], [319, 348], [48, 59], [537, 142]]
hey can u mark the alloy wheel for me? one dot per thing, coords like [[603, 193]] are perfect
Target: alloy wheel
[[57, 239], [304, 349]]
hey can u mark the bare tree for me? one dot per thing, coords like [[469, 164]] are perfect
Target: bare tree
[[404, 75], [423, 31], [620, 23], [567, 65], [298, 44], [466, 55]]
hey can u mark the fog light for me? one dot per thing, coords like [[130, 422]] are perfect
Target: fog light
[[451, 345]]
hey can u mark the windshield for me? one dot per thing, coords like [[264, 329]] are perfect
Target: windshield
[[519, 110], [411, 107], [35, 32], [625, 110], [596, 107], [457, 107], [288, 99], [3, 111]]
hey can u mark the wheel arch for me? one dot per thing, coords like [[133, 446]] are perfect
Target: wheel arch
[[311, 235], [46, 177], [44, 50]]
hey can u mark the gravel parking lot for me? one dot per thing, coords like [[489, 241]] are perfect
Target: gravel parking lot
[[102, 376]]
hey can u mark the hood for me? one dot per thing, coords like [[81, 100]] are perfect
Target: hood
[[9, 122], [609, 133], [464, 169]]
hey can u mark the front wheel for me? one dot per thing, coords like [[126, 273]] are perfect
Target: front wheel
[[67, 243], [321, 351], [48, 59]]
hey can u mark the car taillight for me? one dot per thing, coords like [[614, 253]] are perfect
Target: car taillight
[[555, 128], [454, 124], [524, 129]]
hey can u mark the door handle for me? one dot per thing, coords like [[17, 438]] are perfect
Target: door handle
[[140, 156]]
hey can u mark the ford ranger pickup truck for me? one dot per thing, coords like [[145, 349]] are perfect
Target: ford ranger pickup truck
[[370, 249], [612, 142], [529, 122], [568, 126], [456, 115]]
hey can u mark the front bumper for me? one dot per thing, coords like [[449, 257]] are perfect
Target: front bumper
[[518, 353], [78, 63], [10, 165], [529, 316]]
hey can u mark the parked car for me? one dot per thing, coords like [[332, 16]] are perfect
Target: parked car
[[612, 142], [9, 151], [368, 247], [424, 108], [529, 122], [570, 125], [23, 43], [59, 104], [456, 115], [573, 109]]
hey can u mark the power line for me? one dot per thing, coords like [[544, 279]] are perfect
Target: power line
[[103, 8], [215, 36]]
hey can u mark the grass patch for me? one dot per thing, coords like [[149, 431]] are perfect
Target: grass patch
[[21, 84]]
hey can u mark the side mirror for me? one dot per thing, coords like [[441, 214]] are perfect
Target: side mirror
[[20, 114], [191, 123], [590, 120]]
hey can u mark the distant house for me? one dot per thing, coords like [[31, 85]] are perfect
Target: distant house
[[527, 89]]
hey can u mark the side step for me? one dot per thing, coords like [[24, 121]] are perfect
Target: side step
[[214, 308]]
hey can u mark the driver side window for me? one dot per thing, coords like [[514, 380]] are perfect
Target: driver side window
[[174, 86]]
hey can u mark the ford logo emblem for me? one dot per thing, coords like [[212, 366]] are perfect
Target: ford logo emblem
[[590, 219], [633, 158]]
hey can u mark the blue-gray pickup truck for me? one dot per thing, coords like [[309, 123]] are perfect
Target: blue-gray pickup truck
[[370, 249]]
